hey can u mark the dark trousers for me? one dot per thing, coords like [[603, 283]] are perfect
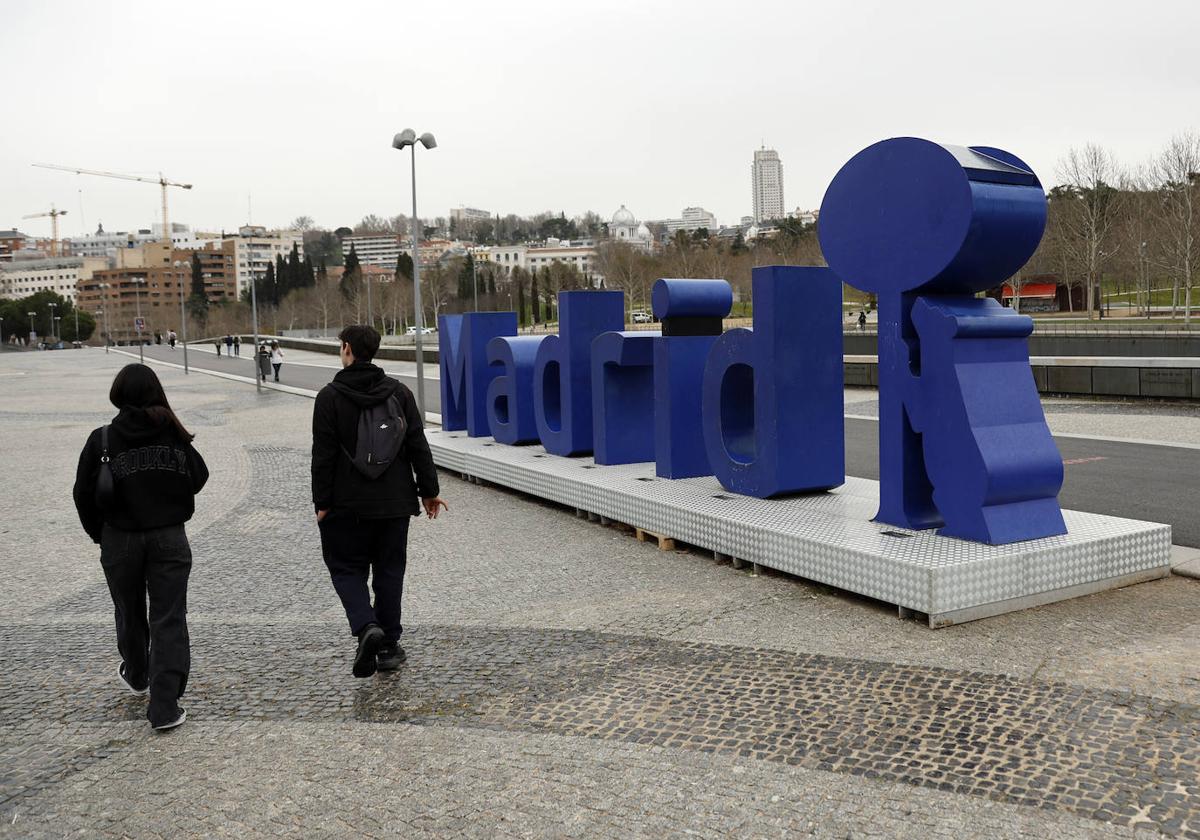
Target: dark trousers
[[277, 367], [354, 547], [153, 563]]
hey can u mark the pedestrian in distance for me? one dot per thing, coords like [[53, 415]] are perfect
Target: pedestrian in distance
[[228, 344], [276, 358], [264, 361], [217, 344], [862, 320], [158, 338], [370, 465], [237, 346], [135, 487], [172, 338]]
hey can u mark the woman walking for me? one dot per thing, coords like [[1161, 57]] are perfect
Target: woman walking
[[276, 358], [134, 489]]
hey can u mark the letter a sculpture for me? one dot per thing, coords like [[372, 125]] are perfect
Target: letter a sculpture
[[963, 441]]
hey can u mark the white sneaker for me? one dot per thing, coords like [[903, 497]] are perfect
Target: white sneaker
[[163, 727], [140, 692]]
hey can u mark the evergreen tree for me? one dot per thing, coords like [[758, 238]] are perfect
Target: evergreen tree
[[352, 260], [295, 271], [307, 274], [198, 300], [266, 286], [534, 300], [491, 283], [404, 267], [520, 299], [323, 271], [352, 276], [282, 285]]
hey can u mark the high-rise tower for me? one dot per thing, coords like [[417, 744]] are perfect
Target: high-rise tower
[[766, 175]]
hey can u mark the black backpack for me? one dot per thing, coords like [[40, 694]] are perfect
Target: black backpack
[[381, 431]]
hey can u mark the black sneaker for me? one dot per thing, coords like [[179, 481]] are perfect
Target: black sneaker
[[390, 656], [370, 638], [171, 723], [139, 689]]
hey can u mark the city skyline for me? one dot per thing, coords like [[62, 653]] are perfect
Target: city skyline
[[548, 122]]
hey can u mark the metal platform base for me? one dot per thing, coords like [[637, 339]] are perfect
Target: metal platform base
[[829, 537]]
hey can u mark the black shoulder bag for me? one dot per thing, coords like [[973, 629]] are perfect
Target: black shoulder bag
[[106, 491]]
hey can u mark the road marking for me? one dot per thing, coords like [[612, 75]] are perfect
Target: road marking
[[1085, 460]]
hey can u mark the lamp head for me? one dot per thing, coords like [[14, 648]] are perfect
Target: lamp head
[[427, 140], [405, 138]]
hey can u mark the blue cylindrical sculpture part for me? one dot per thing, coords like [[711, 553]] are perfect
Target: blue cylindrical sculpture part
[[909, 215], [691, 298], [963, 441]]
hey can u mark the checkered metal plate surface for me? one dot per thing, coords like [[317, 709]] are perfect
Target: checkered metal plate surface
[[826, 537]]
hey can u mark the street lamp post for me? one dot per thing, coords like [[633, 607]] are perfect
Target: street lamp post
[[32, 327], [182, 313], [103, 314], [1, 329], [370, 311], [138, 282], [475, 281], [52, 306], [408, 137], [76, 308], [254, 324]]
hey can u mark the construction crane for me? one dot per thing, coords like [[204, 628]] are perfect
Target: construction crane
[[161, 181], [53, 215]]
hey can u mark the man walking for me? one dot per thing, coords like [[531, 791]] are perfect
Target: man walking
[[370, 463], [228, 345]]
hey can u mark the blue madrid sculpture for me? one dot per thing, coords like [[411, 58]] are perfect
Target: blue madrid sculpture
[[772, 396], [623, 397], [691, 311], [465, 373], [510, 393], [963, 441], [562, 371]]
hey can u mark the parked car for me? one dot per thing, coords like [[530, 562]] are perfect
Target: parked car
[[640, 316], [424, 331]]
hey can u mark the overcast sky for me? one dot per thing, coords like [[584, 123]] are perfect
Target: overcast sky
[[552, 106]]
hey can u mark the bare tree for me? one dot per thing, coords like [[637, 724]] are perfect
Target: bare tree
[[1177, 171], [1088, 176]]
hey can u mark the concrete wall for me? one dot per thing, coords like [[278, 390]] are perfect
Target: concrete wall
[[1050, 344], [1147, 377]]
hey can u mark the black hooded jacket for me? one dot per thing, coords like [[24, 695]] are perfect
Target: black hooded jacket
[[337, 486], [156, 473]]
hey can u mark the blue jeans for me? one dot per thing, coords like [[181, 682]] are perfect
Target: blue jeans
[[352, 548], [156, 648]]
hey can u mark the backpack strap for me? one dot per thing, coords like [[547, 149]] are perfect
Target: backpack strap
[[104, 444]]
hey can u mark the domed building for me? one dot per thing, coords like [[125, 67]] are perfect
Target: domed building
[[624, 227]]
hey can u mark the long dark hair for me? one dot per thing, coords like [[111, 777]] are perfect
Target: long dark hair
[[137, 386]]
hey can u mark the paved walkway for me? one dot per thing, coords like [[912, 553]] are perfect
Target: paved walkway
[[563, 679]]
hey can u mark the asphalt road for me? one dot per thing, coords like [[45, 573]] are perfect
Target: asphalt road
[[1132, 480]]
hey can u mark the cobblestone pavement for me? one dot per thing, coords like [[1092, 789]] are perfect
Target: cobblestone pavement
[[563, 679]]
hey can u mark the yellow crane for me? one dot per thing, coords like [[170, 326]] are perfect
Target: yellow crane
[[161, 181], [53, 216]]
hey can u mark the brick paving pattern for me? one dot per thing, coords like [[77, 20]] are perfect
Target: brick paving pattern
[[563, 680]]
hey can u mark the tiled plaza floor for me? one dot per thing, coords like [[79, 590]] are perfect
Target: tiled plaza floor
[[563, 679]]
